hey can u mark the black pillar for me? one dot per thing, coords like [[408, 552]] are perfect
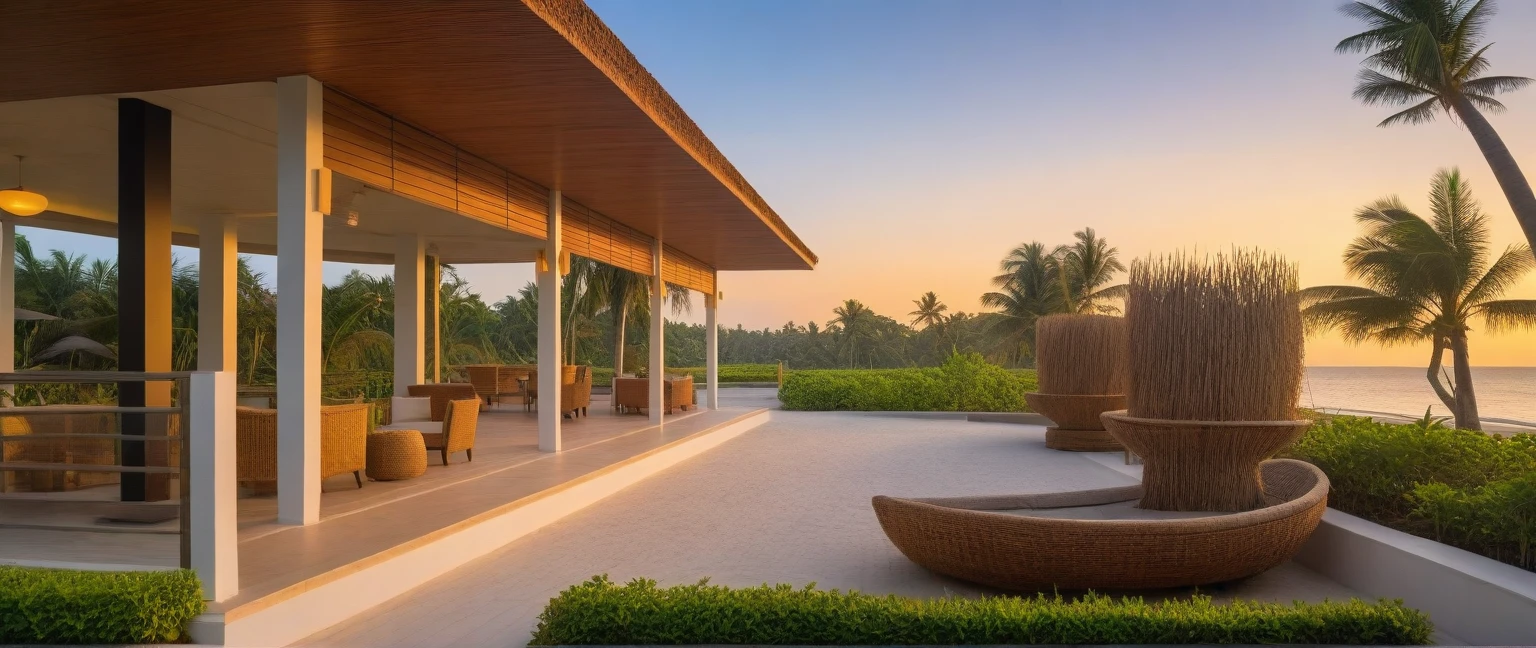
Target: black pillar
[[144, 285]]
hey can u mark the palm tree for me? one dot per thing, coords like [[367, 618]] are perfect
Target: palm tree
[[1428, 53], [1426, 279], [930, 311], [1083, 269], [856, 329], [1028, 288]]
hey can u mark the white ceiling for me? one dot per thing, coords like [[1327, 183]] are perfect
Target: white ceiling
[[223, 161]]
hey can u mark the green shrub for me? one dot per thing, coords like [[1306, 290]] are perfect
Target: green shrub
[[966, 383], [1468, 489], [57, 606], [735, 373], [599, 612]]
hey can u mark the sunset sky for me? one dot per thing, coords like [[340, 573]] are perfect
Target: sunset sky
[[912, 144]]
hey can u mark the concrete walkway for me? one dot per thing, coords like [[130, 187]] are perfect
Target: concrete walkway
[[788, 502]]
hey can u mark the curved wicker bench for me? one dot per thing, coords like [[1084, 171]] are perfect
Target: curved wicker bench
[[966, 538]]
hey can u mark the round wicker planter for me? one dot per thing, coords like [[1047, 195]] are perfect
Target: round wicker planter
[[1081, 440], [966, 538], [1075, 411], [1202, 465]]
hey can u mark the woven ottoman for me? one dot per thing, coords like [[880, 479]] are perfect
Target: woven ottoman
[[396, 454]]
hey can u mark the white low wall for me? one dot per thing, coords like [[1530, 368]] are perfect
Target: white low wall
[[1472, 598]]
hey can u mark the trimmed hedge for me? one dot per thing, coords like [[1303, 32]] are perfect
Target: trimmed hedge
[[733, 373], [966, 383], [1468, 489], [599, 612], [61, 606]]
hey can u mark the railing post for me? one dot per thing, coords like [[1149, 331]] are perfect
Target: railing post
[[211, 441]]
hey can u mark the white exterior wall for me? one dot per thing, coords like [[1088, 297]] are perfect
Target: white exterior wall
[[549, 331]]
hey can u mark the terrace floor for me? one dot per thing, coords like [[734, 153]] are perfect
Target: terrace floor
[[788, 502], [355, 522]]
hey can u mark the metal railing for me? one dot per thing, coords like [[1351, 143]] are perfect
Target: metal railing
[[176, 432]]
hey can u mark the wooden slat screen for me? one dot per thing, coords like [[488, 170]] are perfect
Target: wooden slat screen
[[683, 270], [597, 237], [366, 144]]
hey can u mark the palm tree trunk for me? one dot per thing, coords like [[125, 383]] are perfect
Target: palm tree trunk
[[1516, 188], [620, 320], [1446, 396], [1466, 417]]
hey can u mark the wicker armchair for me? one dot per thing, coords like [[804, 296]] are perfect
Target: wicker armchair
[[576, 396], [458, 430], [442, 393], [567, 376], [483, 378], [343, 443], [635, 394]]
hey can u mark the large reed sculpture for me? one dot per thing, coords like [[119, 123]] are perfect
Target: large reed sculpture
[[1215, 364], [1082, 364]]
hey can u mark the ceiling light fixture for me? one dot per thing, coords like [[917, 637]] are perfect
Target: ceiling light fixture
[[19, 201], [353, 206]]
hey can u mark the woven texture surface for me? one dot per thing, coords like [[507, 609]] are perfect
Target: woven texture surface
[[966, 538], [1075, 411], [458, 433], [1202, 465], [343, 439], [1081, 440], [396, 454], [441, 393]]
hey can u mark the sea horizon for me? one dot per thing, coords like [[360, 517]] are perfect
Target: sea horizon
[[1502, 392]]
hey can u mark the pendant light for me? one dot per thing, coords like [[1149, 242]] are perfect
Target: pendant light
[[19, 201]]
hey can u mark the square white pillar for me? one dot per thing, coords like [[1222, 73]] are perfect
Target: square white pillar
[[217, 279], [300, 229], [658, 335], [712, 349], [410, 309], [548, 276], [214, 524]]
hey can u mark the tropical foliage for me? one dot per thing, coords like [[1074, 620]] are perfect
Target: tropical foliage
[[1427, 279], [965, 383], [64, 606], [1428, 55], [1469, 489], [1035, 282]]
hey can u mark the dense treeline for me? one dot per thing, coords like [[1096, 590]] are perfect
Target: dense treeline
[[605, 313]]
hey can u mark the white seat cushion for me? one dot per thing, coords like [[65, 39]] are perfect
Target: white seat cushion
[[425, 427], [410, 408]]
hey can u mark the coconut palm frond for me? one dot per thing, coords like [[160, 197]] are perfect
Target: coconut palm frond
[[1510, 314]]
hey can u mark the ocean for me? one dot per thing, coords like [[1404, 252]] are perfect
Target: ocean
[[1502, 392]]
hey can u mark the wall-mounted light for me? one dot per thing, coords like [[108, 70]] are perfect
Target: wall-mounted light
[[19, 201]]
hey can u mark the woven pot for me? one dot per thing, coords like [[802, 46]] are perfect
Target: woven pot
[[1075, 411], [1081, 440], [1202, 465], [994, 540]]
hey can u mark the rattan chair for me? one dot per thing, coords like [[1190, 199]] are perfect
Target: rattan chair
[[343, 443], [483, 378], [969, 538], [567, 376], [441, 394], [635, 394], [576, 396], [458, 430]]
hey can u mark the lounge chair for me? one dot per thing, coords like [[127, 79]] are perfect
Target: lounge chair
[[576, 396], [458, 431], [343, 443], [441, 394]]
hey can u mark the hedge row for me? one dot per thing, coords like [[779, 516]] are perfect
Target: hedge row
[[1468, 489], [59, 606], [966, 383], [735, 373], [599, 612]]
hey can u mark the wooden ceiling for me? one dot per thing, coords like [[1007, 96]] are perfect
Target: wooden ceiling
[[540, 87]]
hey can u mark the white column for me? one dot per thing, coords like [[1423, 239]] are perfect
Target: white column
[[712, 348], [217, 276], [658, 333], [299, 244], [549, 330], [410, 307], [7, 299], [214, 525]]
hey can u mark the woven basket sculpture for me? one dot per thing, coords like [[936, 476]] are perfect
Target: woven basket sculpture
[[972, 538], [1215, 368], [1081, 360]]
